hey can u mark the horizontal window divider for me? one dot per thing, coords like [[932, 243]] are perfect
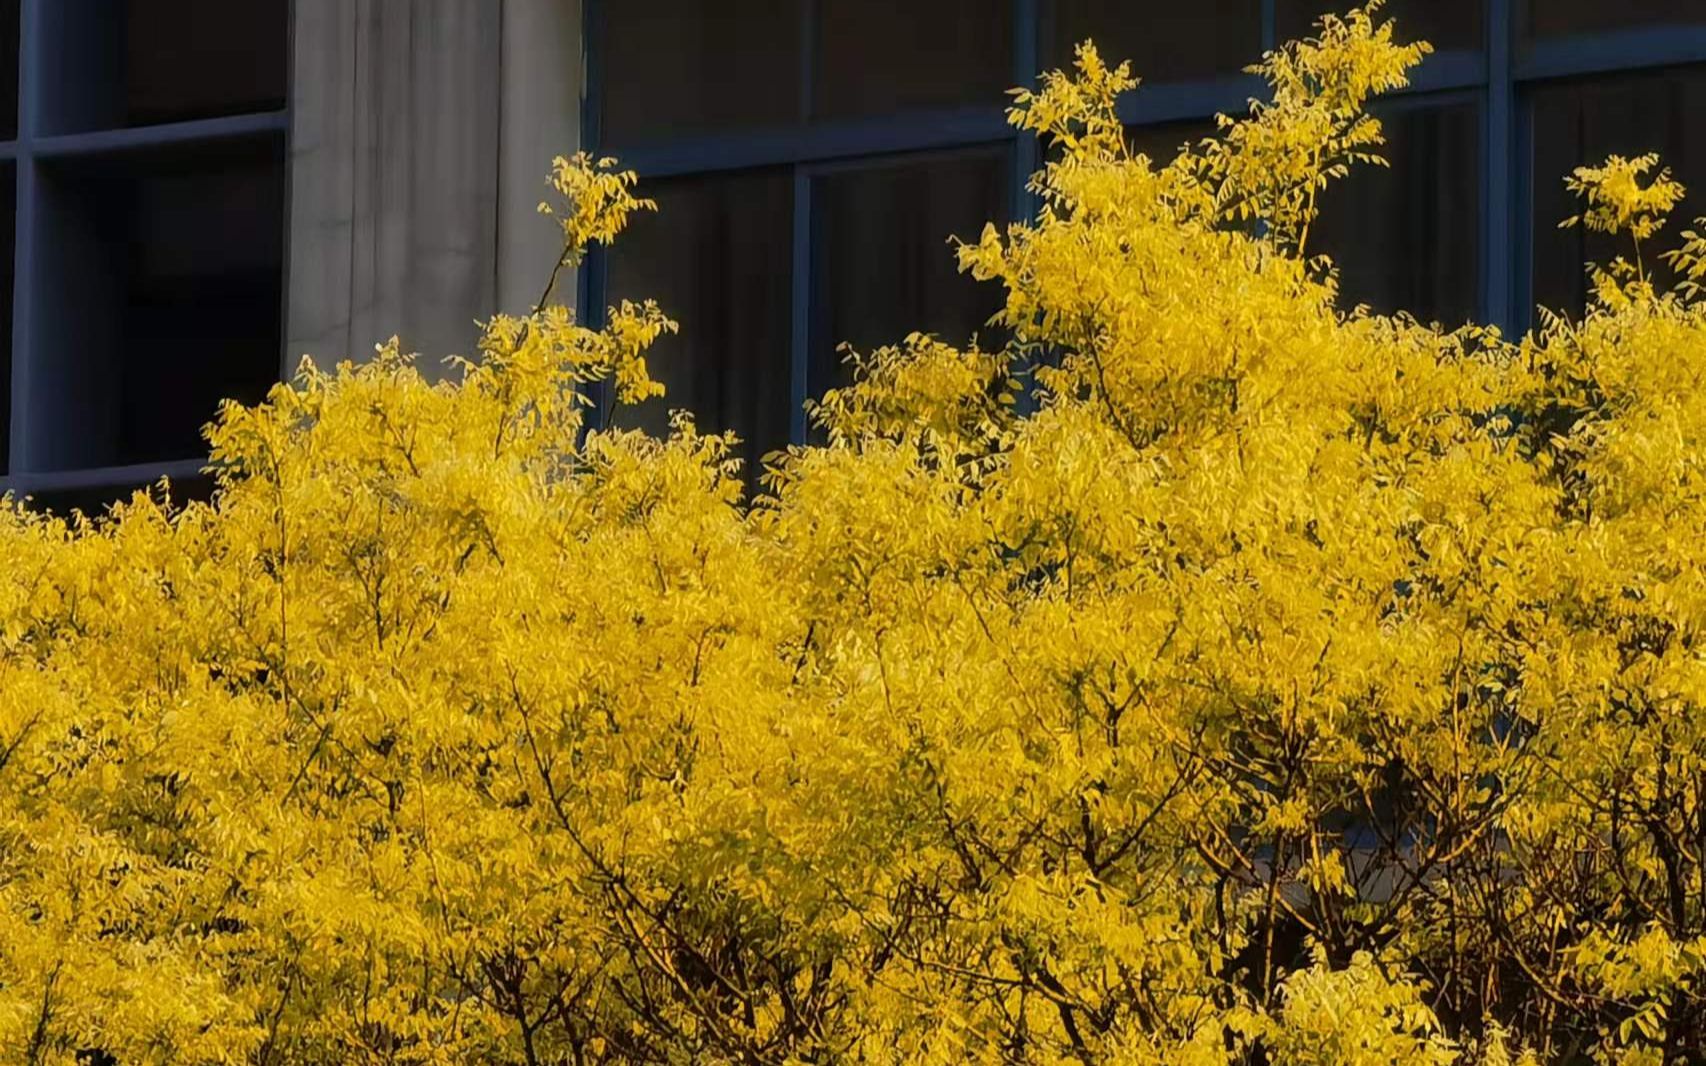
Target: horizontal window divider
[[143, 138], [1454, 69], [1657, 46], [1182, 101], [862, 164], [8, 150], [810, 144], [965, 127], [104, 477], [1400, 103]]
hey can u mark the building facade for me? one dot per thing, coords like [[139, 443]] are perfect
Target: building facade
[[207, 190]]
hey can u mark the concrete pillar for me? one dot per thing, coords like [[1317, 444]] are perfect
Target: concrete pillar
[[421, 134]]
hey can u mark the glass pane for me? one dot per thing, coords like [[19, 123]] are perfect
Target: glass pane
[[95, 499], [8, 69], [159, 61], [195, 58], [875, 57], [1444, 24], [1554, 18], [1407, 237], [8, 231], [1579, 124], [1162, 141], [674, 67], [1165, 42], [160, 293], [717, 256], [883, 266]]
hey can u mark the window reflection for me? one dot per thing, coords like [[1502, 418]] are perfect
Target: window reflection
[[681, 67], [1579, 124], [175, 259], [716, 257], [8, 69], [1445, 24], [1556, 18], [1165, 42], [109, 64], [1407, 237], [1161, 142], [876, 57], [883, 265]]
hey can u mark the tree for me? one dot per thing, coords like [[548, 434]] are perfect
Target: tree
[[1285, 685]]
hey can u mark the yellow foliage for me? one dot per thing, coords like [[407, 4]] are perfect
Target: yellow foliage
[[1280, 685]]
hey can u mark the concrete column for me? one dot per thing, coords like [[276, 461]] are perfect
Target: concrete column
[[542, 88], [421, 131]]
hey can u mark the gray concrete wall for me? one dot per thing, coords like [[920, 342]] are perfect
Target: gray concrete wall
[[421, 134]]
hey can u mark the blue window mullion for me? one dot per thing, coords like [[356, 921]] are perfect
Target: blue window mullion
[[593, 287], [592, 279], [1028, 27], [800, 258], [799, 355], [1027, 64], [1501, 207]]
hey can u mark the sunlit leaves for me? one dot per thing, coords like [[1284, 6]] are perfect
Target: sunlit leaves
[[1209, 676]]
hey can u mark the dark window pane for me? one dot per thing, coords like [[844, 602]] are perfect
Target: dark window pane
[[1442, 23], [8, 231], [675, 67], [1554, 18], [96, 499], [8, 69], [717, 256], [875, 57], [1579, 124], [1161, 142], [1165, 42], [883, 266], [1406, 237], [143, 62], [159, 295]]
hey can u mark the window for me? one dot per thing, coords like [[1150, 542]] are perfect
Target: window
[[147, 165], [8, 237], [150, 62], [696, 68], [1558, 18], [9, 69], [874, 284], [880, 127], [160, 274], [938, 54], [812, 202], [1164, 42], [1407, 237], [1579, 123], [1445, 24], [716, 257], [1161, 142]]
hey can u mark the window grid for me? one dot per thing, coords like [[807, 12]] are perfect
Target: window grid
[[32, 349], [1496, 77]]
